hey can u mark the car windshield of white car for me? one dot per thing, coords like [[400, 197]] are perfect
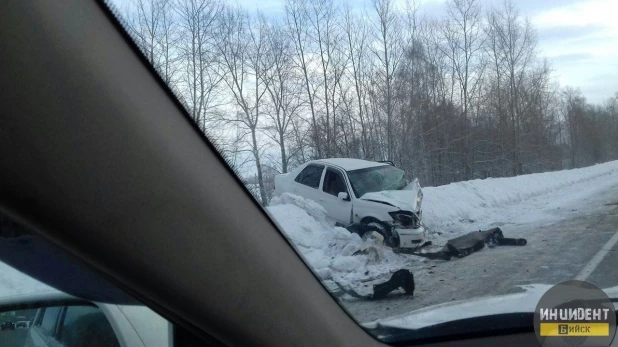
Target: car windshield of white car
[[376, 179]]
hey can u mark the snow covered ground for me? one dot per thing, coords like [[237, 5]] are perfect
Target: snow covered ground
[[448, 211], [528, 199]]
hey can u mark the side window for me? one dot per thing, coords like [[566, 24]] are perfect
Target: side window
[[310, 176], [86, 326], [334, 182], [50, 318]]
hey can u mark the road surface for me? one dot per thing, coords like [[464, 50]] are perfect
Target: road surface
[[13, 338], [556, 251]]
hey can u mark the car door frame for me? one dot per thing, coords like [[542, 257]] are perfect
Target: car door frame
[[42, 338], [331, 202]]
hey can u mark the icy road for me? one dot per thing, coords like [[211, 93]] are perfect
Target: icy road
[[570, 219]]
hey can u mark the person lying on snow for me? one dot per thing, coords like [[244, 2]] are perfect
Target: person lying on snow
[[471, 242]]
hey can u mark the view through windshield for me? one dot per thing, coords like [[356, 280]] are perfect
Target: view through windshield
[[506, 112]]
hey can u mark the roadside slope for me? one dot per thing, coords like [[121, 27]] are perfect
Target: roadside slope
[[479, 204]]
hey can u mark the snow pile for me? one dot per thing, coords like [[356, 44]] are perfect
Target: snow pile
[[329, 250], [479, 204]]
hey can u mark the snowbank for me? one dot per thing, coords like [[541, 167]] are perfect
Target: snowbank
[[479, 204], [329, 250]]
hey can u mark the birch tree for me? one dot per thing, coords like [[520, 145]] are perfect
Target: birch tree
[[242, 50], [201, 74]]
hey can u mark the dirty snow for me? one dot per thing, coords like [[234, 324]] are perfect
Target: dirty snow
[[448, 211]]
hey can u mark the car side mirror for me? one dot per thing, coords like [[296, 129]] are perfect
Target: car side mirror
[[342, 195]]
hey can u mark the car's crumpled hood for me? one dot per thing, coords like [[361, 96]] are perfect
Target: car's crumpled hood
[[404, 199], [464, 309]]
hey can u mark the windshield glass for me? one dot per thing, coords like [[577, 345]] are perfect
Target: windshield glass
[[375, 179], [506, 113]]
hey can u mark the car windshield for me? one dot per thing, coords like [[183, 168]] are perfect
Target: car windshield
[[375, 179], [506, 112]]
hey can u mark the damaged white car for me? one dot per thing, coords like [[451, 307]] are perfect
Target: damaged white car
[[359, 191]]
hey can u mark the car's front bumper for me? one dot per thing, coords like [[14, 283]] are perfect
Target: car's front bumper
[[411, 238]]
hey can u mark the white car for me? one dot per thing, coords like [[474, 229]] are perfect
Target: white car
[[361, 191], [68, 321]]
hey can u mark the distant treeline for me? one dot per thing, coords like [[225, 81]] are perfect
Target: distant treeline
[[458, 97]]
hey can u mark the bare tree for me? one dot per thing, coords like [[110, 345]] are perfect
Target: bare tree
[[357, 43], [388, 51], [574, 116], [322, 15], [242, 50], [297, 19], [153, 26], [463, 38], [201, 71], [512, 50], [284, 90]]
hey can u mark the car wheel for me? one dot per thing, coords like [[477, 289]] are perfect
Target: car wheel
[[380, 232], [374, 232]]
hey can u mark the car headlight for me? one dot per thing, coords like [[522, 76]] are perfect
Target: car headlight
[[419, 199], [405, 219]]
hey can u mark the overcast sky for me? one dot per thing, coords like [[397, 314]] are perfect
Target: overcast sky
[[579, 37]]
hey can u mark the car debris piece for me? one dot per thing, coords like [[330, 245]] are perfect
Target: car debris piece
[[400, 279], [469, 243], [403, 279], [372, 253]]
